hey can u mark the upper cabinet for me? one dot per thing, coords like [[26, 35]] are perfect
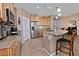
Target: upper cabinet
[[34, 18], [45, 20], [1, 11], [14, 11], [13, 8], [8, 12], [7, 5]]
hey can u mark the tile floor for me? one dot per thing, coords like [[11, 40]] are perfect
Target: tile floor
[[34, 47]]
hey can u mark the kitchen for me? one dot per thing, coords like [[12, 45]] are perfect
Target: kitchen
[[19, 25], [45, 19]]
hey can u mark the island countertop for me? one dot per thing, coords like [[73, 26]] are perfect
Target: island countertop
[[56, 33], [8, 41]]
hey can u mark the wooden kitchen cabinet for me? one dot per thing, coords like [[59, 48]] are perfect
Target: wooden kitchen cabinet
[[11, 7], [1, 11], [15, 49], [4, 13], [40, 32], [6, 6], [3, 7], [44, 20], [4, 52], [14, 11], [34, 18]]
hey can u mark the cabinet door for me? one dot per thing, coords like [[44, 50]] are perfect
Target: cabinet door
[[16, 48], [4, 52], [44, 21], [14, 12], [1, 11], [6, 6], [3, 7], [12, 8], [4, 12]]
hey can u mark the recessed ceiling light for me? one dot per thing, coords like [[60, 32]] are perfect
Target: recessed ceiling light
[[56, 17], [59, 14], [58, 9], [37, 7]]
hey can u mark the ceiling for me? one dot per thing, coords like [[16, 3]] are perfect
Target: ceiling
[[45, 10]]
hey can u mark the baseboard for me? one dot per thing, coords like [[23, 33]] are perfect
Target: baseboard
[[53, 54]]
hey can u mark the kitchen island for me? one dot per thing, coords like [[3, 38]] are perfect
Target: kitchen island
[[49, 40], [10, 46]]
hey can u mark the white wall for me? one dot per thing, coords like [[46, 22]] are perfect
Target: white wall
[[25, 28]]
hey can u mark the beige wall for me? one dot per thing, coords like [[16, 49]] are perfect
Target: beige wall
[[66, 19]]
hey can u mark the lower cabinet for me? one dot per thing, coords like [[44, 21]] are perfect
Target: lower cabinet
[[4, 52], [49, 42], [14, 50]]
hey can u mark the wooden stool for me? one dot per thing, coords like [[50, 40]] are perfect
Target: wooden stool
[[64, 42]]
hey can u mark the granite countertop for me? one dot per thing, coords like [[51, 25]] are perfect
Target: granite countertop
[[57, 32], [8, 41]]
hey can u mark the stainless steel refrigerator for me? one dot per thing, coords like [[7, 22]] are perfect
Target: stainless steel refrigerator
[[34, 29]]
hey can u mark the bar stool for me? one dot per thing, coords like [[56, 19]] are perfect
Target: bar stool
[[64, 43]]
